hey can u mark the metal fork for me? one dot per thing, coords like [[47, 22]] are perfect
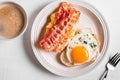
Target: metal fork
[[111, 65]]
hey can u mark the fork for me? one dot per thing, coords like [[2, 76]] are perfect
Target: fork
[[112, 63]]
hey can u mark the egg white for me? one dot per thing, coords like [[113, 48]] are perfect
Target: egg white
[[80, 39]]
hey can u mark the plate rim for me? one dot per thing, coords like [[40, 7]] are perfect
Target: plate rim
[[105, 29]]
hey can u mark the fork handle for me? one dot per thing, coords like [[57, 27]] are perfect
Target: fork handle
[[104, 75]]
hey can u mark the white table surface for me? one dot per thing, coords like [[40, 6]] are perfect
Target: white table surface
[[17, 61]]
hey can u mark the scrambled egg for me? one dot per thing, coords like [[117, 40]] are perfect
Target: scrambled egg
[[52, 21]]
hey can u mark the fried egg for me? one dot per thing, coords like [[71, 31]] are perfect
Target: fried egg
[[83, 48]]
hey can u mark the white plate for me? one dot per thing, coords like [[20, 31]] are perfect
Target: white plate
[[90, 17]]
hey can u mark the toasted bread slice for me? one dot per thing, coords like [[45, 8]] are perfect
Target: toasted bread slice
[[64, 59]]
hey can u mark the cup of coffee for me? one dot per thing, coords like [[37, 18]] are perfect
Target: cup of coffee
[[13, 20]]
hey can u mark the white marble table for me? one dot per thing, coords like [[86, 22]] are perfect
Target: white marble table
[[17, 61]]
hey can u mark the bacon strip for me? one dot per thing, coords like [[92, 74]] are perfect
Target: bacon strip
[[57, 38]]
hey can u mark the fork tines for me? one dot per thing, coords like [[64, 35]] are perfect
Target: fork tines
[[115, 59]]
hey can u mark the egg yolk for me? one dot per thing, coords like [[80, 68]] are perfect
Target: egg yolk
[[79, 54]]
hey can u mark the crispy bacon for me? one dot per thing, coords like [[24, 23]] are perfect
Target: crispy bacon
[[57, 38]]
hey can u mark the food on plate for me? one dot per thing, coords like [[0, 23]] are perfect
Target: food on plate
[[76, 47], [83, 48], [61, 29]]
